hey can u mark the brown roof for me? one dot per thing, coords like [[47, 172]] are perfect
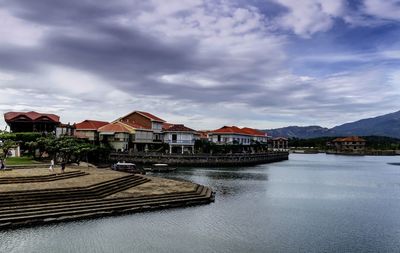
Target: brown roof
[[179, 128], [116, 127], [90, 125], [349, 139], [34, 116], [280, 138], [151, 116]]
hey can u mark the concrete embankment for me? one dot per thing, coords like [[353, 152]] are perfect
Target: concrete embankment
[[201, 160], [112, 193]]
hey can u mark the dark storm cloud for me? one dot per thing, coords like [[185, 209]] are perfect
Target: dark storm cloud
[[126, 56], [60, 12]]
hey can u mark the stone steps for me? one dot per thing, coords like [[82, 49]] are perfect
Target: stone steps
[[39, 214], [100, 190], [49, 206], [43, 178], [94, 204]]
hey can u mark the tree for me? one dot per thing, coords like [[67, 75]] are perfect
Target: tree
[[7, 142], [6, 146]]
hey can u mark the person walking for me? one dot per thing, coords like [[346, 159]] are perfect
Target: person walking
[[2, 165], [51, 168], [62, 167]]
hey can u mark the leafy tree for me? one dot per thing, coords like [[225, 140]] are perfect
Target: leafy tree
[[6, 146]]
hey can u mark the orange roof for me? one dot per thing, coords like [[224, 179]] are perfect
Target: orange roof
[[116, 127], [90, 125], [254, 132], [34, 116], [150, 116], [349, 139]]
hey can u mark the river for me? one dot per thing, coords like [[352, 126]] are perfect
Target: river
[[310, 203]]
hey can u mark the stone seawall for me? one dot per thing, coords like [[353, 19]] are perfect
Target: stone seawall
[[201, 159]]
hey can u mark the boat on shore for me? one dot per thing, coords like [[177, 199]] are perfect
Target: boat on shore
[[127, 167], [160, 167]]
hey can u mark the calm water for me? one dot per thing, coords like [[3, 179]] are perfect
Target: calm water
[[311, 203]]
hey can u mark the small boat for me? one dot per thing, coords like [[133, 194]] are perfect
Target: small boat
[[160, 167], [127, 167]]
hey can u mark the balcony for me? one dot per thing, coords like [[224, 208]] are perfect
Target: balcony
[[180, 142]]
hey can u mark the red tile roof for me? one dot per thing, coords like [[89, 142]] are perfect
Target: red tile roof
[[34, 116], [349, 139], [166, 125], [237, 130], [116, 127], [229, 130], [90, 125], [254, 132], [179, 128], [135, 125], [151, 116]]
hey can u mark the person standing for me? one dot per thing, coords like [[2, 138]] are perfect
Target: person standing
[[62, 167], [51, 168], [2, 165]]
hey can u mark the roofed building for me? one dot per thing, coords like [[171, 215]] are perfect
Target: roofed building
[[236, 135], [87, 129], [180, 138], [32, 122], [280, 144], [351, 144]]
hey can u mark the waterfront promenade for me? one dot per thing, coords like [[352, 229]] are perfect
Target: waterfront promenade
[[201, 159]]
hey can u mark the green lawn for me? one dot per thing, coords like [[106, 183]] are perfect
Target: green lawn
[[20, 160]]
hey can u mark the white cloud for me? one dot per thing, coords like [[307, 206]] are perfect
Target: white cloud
[[387, 9], [307, 17]]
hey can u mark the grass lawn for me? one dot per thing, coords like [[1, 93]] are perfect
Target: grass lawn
[[20, 160]]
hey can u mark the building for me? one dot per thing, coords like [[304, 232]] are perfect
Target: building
[[352, 144], [64, 130], [236, 135], [147, 130], [280, 144], [32, 122], [87, 129], [257, 135], [135, 132], [180, 138], [117, 134]]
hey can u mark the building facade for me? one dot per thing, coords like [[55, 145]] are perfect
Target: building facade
[[352, 144], [181, 139], [88, 129], [32, 122]]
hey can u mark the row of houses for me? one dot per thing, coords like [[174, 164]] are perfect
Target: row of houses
[[139, 131]]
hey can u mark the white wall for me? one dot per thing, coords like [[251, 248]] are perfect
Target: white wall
[[181, 137]]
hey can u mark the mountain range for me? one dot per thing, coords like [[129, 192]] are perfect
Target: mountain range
[[384, 125]]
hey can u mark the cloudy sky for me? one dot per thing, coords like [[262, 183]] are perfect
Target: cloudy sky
[[205, 63]]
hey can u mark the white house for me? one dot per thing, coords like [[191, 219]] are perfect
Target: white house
[[230, 135], [180, 138]]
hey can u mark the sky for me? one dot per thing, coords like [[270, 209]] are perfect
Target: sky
[[203, 63]]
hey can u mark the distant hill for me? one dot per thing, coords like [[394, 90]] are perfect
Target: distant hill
[[385, 125], [299, 132]]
